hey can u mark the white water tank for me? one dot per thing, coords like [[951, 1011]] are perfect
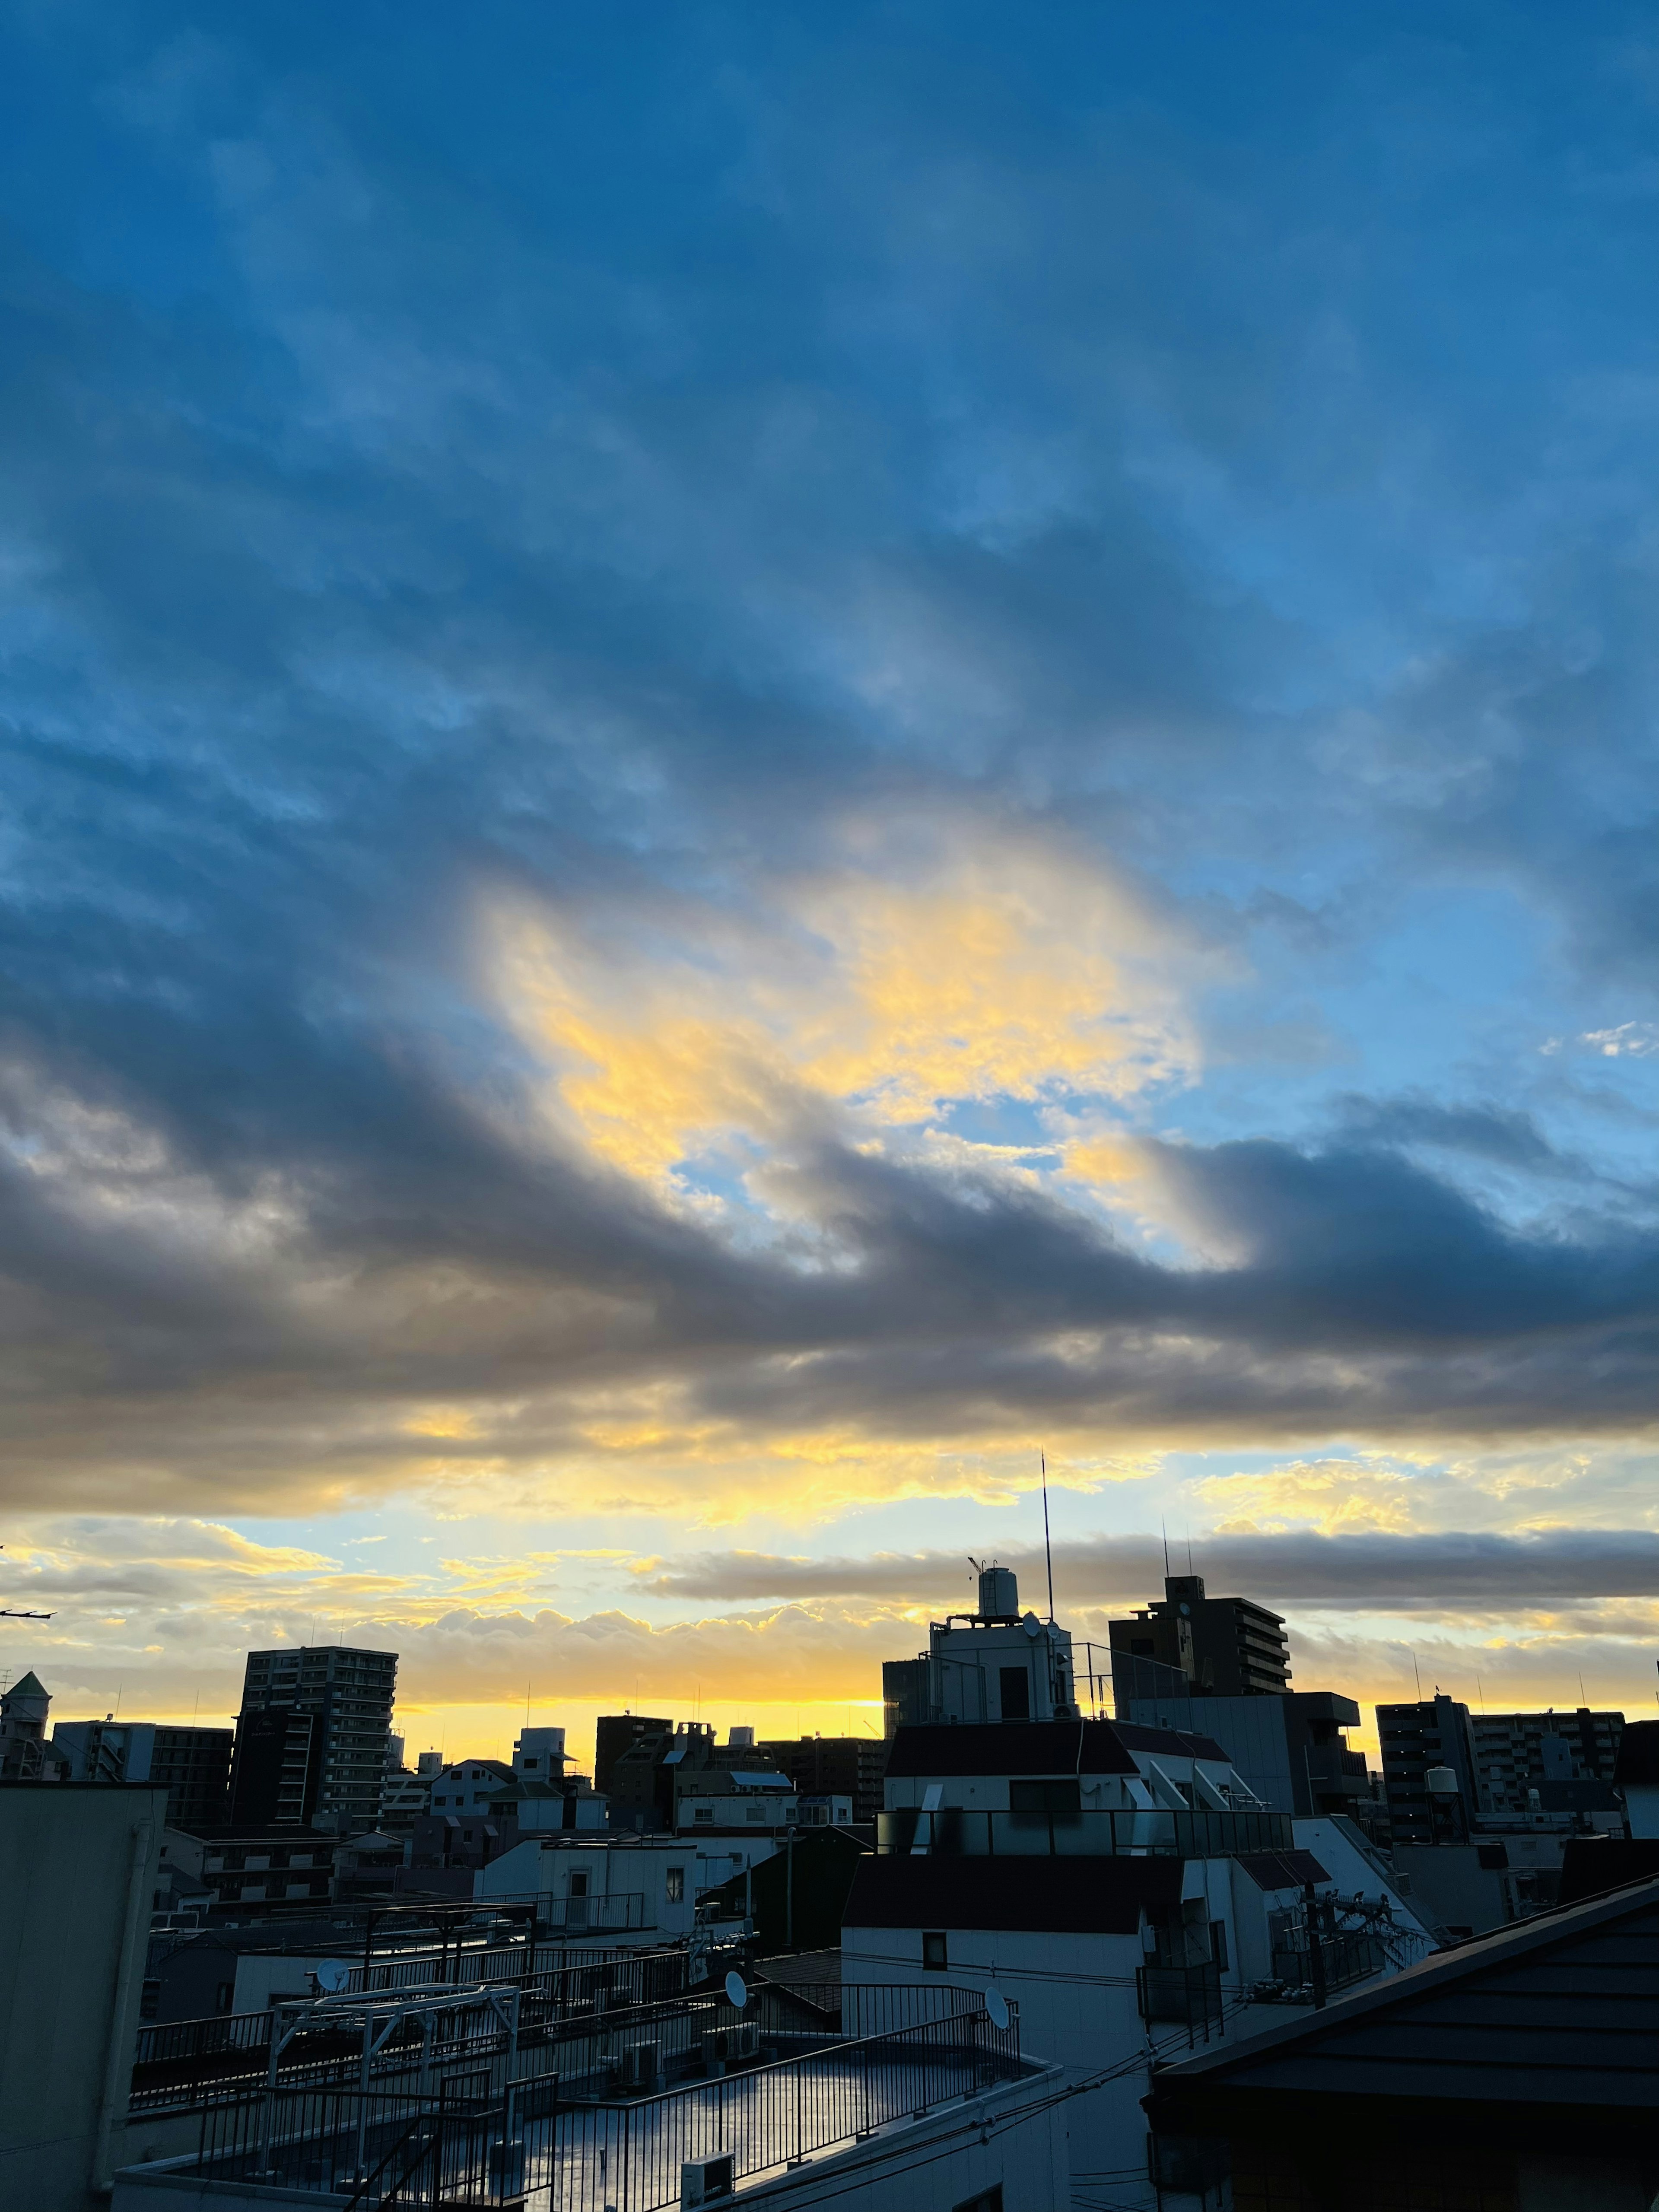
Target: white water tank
[[999, 1594], [1440, 1782]]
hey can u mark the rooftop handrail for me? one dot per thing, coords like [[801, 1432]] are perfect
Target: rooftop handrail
[[971, 1831], [625, 2153]]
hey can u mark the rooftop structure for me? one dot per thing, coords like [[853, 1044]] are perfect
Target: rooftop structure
[[995, 1664], [1289, 1749], [25, 1754]]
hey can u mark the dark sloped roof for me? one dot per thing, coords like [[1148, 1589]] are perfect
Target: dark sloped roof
[[1282, 1869], [1638, 1755], [1080, 1896], [1183, 1744], [1562, 2010], [1010, 1747]]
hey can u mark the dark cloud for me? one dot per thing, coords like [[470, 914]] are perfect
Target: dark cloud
[[1444, 1572]]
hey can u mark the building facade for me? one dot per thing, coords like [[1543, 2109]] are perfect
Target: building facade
[[312, 1738], [1226, 1647], [192, 1765], [850, 1766]]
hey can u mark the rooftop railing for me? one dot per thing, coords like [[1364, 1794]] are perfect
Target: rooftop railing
[[506, 2130], [960, 1832], [182, 2064]]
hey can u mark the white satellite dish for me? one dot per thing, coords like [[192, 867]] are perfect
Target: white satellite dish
[[996, 2005], [331, 1975], [736, 1990]]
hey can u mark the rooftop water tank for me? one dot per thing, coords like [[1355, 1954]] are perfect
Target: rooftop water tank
[[999, 1594], [1441, 1782]]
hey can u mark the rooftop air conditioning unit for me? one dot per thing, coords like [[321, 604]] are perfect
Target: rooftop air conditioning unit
[[641, 2066], [704, 2179], [743, 2041]]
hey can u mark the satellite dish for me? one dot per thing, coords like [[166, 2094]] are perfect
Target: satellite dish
[[736, 1990], [996, 2005], [331, 1975]]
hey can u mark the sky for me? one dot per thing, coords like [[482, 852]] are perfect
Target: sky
[[757, 758]]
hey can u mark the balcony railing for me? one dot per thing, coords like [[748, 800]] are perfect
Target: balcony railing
[[580, 1916], [1189, 1994], [962, 1832]]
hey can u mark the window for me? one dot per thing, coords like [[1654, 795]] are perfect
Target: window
[[1063, 1795], [676, 1884], [702, 1812], [755, 1812], [579, 1885], [1014, 1690], [933, 1956], [223, 1996], [1218, 1945], [150, 2001]]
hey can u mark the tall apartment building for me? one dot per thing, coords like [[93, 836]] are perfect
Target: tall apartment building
[[1498, 1759], [312, 1738], [1225, 1647], [1515, 1752], [834, 1767], [192, 1765], [618, 1733]]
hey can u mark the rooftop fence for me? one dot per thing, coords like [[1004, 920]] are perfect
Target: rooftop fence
[[515, 2127], [960, 1832]]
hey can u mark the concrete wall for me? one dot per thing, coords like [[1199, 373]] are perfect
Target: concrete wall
[[78, 1863]]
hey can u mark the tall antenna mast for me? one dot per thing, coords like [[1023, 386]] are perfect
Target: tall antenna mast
[[1164, 1526], [1048, 1552]]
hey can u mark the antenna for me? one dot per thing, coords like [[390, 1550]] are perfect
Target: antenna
[[1189, 1547], [1418, 1678], [7, 1613], [1048, 1552], [1164, 1526]]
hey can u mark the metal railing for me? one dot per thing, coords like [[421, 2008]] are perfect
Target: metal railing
[[1191, 1994], [631, 2156], [962, 1831], [487, 2140], [600, 1915]]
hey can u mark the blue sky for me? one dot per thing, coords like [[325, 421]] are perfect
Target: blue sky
[[754, 758]]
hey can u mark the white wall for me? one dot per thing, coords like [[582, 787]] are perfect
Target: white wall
[[1077, 2008]]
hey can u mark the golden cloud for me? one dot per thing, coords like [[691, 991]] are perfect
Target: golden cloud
[[1007, 967]]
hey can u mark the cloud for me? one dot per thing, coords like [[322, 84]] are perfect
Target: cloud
[[650, 716], [1380, 1571]]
